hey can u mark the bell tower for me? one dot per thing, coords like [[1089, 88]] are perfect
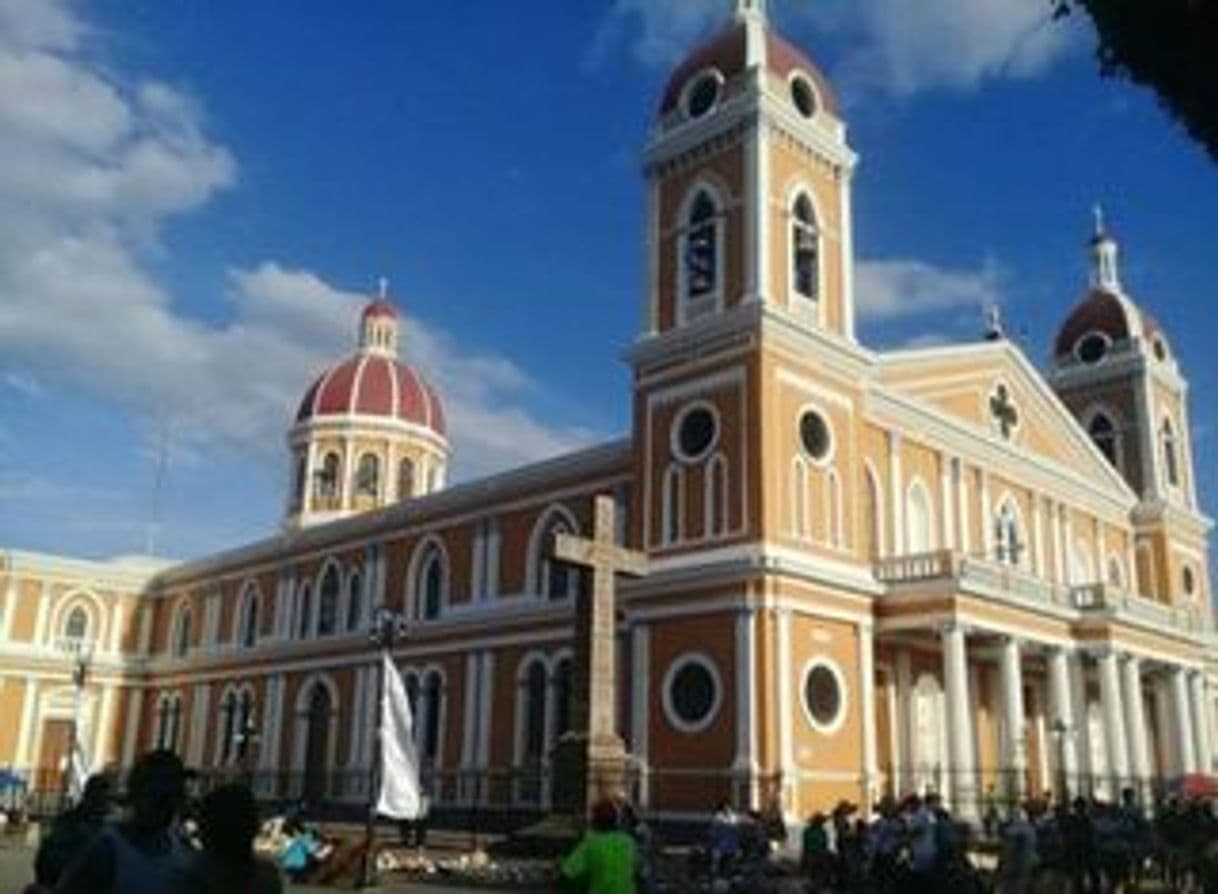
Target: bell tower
[[748, 185]]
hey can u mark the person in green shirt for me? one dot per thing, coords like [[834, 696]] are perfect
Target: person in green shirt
[[606, 860]]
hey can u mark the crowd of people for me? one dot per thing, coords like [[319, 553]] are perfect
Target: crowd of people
[[150, 850]]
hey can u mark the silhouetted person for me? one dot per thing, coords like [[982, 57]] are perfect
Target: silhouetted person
[[142, 854], [228, 824], [73, 831]]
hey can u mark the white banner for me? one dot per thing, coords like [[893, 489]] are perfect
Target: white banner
[[400, 797]]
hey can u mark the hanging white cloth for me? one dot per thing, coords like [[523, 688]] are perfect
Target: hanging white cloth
[[400, 797]]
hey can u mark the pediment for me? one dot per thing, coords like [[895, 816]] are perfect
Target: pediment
[[995, 390]]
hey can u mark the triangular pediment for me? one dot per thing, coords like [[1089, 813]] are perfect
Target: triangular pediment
[[995, 390]]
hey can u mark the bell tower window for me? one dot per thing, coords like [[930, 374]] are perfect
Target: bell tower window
[[368, 475], [1171, 464], [1104, 434], [326, 486], [701, 250], [805, 249]]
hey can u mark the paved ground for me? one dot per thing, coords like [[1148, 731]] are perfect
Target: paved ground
[[16, 861]]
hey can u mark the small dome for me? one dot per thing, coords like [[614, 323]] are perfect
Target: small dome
[[378, 309], [1110, 315], [726, 51], [374, 385]]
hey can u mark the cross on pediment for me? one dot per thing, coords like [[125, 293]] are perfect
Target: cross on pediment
[[1004, 411], [594, 699]]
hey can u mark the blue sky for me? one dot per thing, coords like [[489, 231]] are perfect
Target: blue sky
[[193, 195]]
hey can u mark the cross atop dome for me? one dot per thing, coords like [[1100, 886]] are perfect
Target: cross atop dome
[[751, 8], [1105, 270], [379, 323]]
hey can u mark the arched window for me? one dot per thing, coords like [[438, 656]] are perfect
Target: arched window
[[405, 479], [563, 681], [715, 503], [430, 580], [1171, 464], [181, 632], [304, 611], [674, 504], [1104, 434], [368, 475], [805, 249], [327, 602], [228, 726], [76, 627], [918, 537], [169, 721], [355, 601], [1116, 573], [554, 580], [249, 618], [1008, 547], [245, 724], [326, 485], [699, 249], [801, 523], [430, 717], [833, 509]]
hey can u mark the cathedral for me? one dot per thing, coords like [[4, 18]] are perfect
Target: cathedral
[[869, 572]]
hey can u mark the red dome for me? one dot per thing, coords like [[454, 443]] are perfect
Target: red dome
[[726, 50], [380, 308], [370, 384], [1109, 314]]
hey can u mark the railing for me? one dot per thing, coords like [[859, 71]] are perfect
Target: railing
[[970, 572]]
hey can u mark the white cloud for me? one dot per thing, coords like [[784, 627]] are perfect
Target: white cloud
[[893, 46], [91, 167], [891, 288]]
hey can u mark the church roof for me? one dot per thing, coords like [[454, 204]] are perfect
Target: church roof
[[1107, 313]]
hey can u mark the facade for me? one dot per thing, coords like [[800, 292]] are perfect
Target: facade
[[869, 572]]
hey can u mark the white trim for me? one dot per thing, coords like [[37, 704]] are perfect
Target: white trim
[[805, 307], [674, 432], [833, 726], [678, 664], [831, 452], [878, 532], [536, 557], [716, 466], [916, 486], [709, 72], [415, 609]]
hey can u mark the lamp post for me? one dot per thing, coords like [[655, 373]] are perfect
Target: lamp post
[[388, 626]]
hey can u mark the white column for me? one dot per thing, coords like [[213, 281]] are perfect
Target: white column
[[948, 541], [906, 734], [1063, 717], [782, 676], [962, 519], [1080, 703], [959, 721], [1204, 756], [199, 716], [131, 735], [1135, 715], [102, 738], [486, 696], [272, 724], [43, 617], [1186, 744], [896, 492], [117, 616], [846, 191], [1068, 547], [1114, 718], [745, 765], [987, 516], [1014, 752], [26, 731], [10, 608], [866, 633]]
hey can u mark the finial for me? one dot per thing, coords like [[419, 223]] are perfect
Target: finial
[[1105, 271], [993, 323], [382, 287], [750, 8]]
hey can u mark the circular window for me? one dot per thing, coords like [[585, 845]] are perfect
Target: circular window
[[1189, 580], [691, 693], [803, 96], [702, 94], [814, 435], [824, 696], [1092, 348], [695, 432]]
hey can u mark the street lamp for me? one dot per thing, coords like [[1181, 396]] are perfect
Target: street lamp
[[388, 626]]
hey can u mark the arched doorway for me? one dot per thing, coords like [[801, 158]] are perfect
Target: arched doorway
[[317, 743]]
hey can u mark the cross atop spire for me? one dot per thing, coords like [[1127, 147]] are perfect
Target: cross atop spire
[[751, 8], [382, 288], [1105, 271]]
